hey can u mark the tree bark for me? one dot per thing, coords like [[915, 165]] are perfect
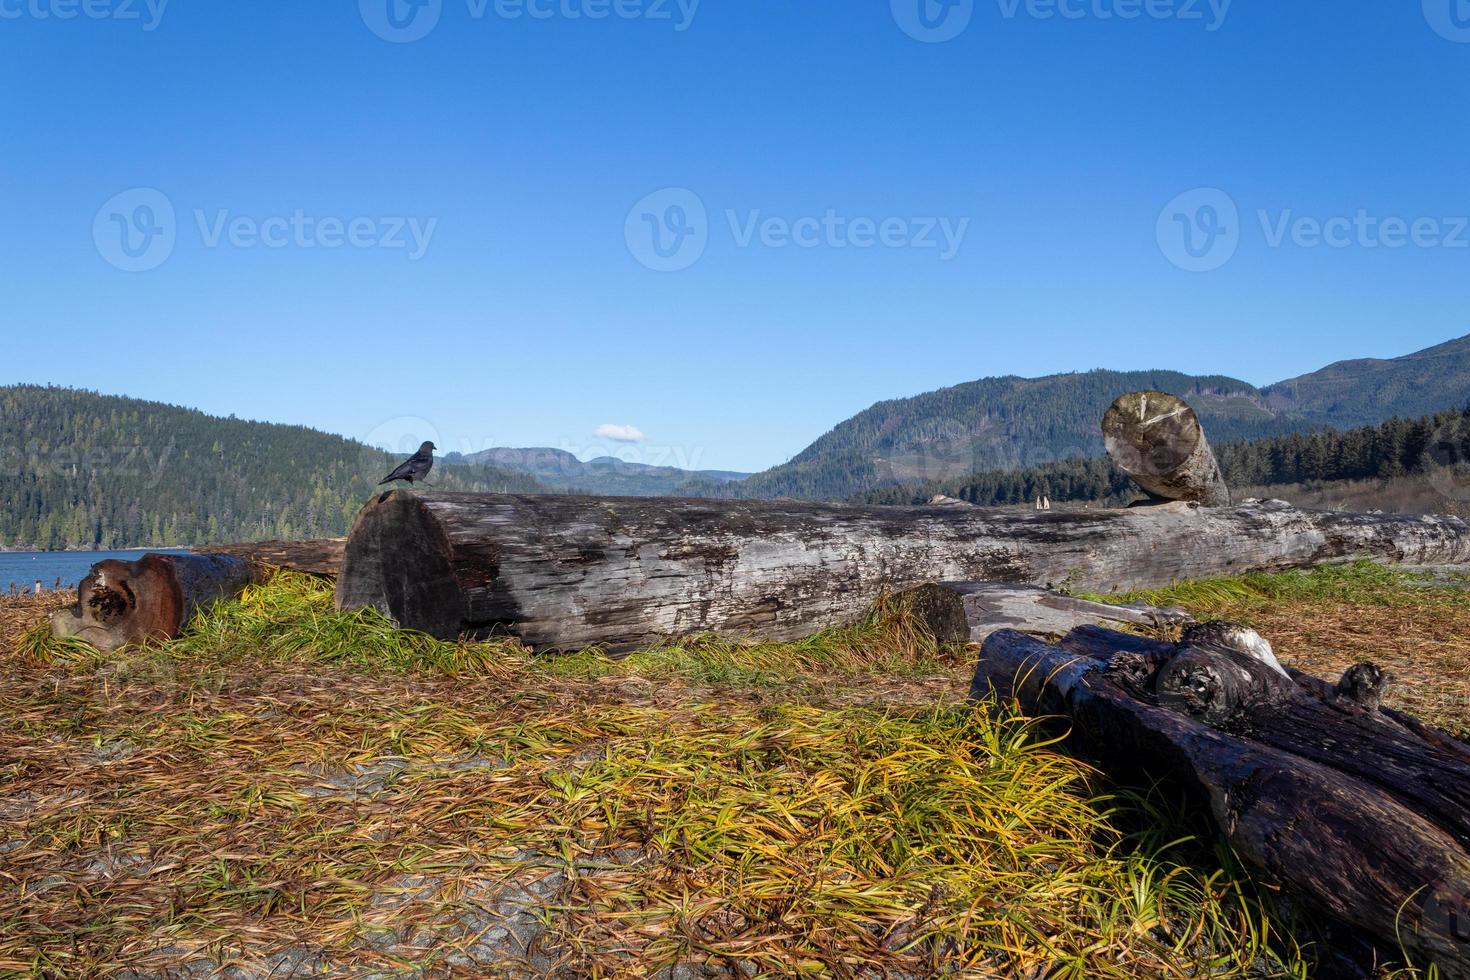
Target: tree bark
[[968, 612], [1337, 801], [1158, 441], [153, 598], [566, 573], [321, 556]]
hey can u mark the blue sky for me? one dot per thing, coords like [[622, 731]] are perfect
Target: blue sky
[[800, 161]]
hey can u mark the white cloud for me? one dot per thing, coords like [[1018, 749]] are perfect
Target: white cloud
[[621, 433]]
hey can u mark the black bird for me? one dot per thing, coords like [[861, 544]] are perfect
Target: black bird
[[416, 467]]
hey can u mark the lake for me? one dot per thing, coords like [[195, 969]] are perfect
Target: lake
[[23, 569]]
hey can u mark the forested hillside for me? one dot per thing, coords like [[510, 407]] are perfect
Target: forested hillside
[[995, 423], [1017, 423], [1437, 445], [557, 469], [82, 470], [1369, 390]]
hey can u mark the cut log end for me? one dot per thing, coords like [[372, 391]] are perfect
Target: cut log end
[[1157, 439], [153, 598], [398, 561]]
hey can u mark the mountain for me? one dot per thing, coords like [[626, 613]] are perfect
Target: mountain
[[1012, 423], [1367, 391], [83, 470], [558, 469]]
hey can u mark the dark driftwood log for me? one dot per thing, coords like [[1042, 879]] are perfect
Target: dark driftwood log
[[319, 556], [153, 598], [565, 572], [1158, 441], [1341, 803]]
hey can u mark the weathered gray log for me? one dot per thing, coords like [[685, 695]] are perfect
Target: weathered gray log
[[968, 612], [566, 573], [153, 598], [1158, 441], [1337, 801], [318, 556]]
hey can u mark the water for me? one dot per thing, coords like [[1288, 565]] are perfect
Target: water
[[23, 569]]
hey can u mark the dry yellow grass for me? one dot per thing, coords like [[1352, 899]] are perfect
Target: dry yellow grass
[[291, 792]]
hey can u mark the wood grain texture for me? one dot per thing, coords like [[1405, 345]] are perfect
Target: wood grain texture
[[152, 598], [319, 556], [1157, 440], [570, 572], [968, 612], [1343, 805]]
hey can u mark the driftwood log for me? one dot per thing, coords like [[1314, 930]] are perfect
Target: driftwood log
[[1360, 811], [566, 573], [968, 612], [153, 598], [320, 556], [1158, 441]]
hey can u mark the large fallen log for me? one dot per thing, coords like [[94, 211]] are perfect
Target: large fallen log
[[1348, 806], [153, 598], [1158, 441], [968, 612], [319, 556], [566, 573]]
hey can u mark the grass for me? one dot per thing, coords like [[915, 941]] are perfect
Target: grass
[[288, 789], [1327, 619]]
